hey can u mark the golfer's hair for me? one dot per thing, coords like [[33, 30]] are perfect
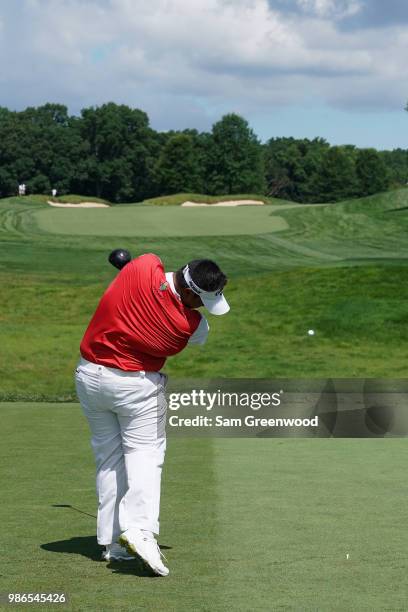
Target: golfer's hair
[[205, 273]]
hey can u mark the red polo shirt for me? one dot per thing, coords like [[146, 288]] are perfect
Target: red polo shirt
[[139, 322]]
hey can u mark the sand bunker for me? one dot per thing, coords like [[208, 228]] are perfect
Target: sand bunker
[[227, 203], [80, 205]]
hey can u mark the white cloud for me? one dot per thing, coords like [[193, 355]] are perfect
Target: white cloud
[[337, 9], [182, 60]]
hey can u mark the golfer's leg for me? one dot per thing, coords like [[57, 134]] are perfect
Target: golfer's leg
[[140, 506], [144, 446], [110, 485], [110, 466]]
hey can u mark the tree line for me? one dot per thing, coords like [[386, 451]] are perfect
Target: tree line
[[111, 152]]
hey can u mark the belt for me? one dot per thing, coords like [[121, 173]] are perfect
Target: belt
[[96, 367]]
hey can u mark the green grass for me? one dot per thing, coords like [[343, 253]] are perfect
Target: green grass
[[339, 269], [360, 319], [157, 221], [247, 524], [178, 198], [77, 199]]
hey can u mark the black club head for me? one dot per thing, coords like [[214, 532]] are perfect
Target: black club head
[[119, 258]]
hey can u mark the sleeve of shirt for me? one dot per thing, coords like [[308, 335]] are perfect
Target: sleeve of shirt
[[201, 333]]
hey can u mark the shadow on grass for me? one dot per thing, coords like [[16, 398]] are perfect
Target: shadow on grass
[[394, 210], [87, 546], [73, 508]]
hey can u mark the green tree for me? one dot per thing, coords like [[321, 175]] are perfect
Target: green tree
[[313, 154], [235, 159], [121, 150], [396, 162], [39, 147], [179, 167], [57, 147], [14, 159], [281, 158], [293, 167], [372, 172], [338, 178]]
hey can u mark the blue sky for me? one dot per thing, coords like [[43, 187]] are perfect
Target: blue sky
[[335, 69]]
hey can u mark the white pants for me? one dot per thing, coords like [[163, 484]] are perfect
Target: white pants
[[126, 412]]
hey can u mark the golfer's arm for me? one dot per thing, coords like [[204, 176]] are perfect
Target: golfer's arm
[[201, 333]]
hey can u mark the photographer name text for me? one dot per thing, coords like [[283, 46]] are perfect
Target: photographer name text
[[249, 421]]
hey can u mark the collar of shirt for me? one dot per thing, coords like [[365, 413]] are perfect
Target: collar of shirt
[[170, 280]]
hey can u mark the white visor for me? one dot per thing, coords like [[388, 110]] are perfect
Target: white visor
[[214, 301]]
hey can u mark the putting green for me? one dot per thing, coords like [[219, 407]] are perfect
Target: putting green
[[151, 221]]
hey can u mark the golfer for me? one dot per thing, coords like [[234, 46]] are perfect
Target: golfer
[[145, 316]]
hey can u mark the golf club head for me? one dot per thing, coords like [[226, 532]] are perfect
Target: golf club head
[[119, 258]]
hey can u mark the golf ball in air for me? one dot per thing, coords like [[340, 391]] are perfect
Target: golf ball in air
[[311, 332]]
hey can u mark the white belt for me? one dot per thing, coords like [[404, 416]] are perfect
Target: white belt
[[95, 367]]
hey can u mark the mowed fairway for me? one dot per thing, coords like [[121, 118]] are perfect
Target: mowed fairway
[[260, 524], [338, 269], [149, 221], [246, 524]]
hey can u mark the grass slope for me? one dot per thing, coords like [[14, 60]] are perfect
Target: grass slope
[[247, 524], [178, 198], [77, 199], [339, 269]]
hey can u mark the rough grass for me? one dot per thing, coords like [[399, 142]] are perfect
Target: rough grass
[[77, 199], [178, 198], [340, 270], [360, 317]]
